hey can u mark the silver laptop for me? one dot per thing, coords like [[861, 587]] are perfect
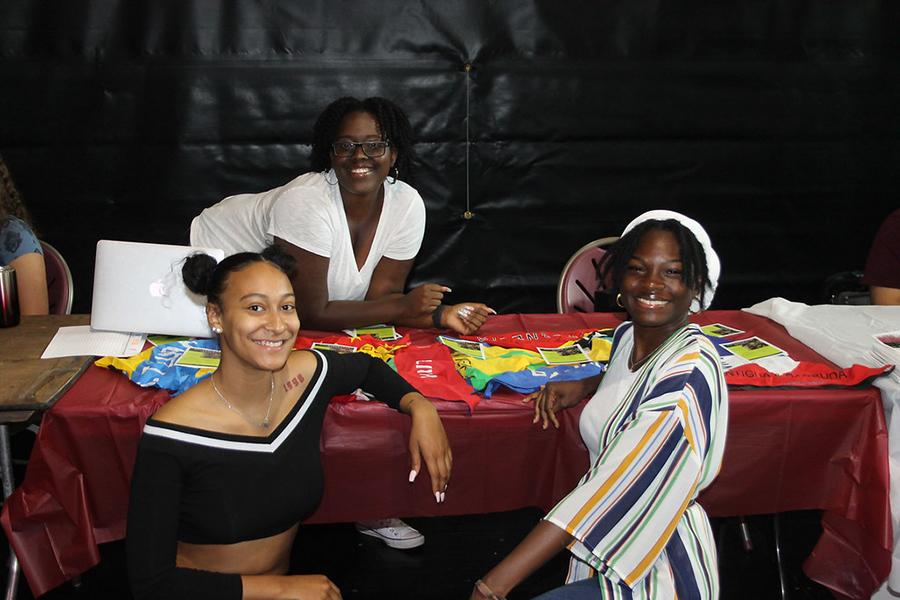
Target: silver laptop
[[138, 288]]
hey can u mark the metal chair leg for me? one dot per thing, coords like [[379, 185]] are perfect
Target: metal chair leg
[[776, 520], [746, 540], [6, 474]]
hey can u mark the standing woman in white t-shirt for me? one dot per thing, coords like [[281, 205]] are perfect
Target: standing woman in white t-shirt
[[353, 226]]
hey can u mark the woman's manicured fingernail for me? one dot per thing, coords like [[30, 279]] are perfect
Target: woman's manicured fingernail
[[442, 496], [412, 475], [437, 497]]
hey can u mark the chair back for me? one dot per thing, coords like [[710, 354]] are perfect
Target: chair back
[[578, 281], [60, 288], [846, 287]]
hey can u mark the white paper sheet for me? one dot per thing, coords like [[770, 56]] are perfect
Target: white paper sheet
[[84, 341]]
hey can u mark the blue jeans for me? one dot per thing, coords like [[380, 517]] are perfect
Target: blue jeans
[[586, 589]]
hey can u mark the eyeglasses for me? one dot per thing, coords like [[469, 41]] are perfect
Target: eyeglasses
[[370, 149]]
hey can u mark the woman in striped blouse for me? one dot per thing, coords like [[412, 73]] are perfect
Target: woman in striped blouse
[[655, 428]]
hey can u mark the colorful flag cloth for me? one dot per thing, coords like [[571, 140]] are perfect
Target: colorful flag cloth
[[510, 360], [158, 366], [532, 340], [431, 370], [366, 344], [500, 360], [530, 380], [478, 371]]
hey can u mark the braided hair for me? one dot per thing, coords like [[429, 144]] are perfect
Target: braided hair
[[11, 204], [612, 266], [393, 125]]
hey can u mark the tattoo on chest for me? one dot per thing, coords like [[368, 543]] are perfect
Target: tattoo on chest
[[293, 382]]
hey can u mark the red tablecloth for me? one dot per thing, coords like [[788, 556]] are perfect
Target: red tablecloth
[[787, 449]]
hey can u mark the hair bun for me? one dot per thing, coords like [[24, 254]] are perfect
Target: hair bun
[[281, 259], [197, 272]]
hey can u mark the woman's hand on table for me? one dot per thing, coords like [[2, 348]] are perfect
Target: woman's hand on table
[[557, 395], [422, 300], [428, 441], [467, 317], [291, 587], [312, 587]]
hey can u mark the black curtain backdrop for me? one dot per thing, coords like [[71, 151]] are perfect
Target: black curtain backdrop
[[774, 123]]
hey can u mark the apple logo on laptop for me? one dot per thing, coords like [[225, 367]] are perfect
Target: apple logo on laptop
[[158, 289]]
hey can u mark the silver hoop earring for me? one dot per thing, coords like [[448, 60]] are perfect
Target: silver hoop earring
[[394, 173], [619, 301], [328, 181]]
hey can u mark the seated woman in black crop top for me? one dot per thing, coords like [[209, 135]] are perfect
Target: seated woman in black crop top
[[227, 470]]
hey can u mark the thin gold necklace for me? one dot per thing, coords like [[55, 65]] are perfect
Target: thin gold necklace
[[265, 422], [632, 365]]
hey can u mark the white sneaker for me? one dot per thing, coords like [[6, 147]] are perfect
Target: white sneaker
[[393, 532]]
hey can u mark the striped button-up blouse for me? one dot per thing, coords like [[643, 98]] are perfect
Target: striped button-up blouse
[[656, 438]]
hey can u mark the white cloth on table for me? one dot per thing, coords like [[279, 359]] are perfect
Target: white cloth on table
[[843, 335]]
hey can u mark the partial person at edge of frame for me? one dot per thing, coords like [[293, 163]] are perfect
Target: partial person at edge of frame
[[226, 471], [882, 273], [353, 225], [20, 248], [354, 228], [655, 428]]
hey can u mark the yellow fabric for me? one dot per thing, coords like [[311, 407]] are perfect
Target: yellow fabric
[[383, 351], [600, 349], [126, 365]]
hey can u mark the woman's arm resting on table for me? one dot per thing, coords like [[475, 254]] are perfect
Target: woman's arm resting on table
[[540, 545], [389, 306], [31, 280], [555, 396], [884, 295], [388, 281], [428, 440]]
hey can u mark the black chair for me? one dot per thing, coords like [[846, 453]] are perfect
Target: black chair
[[846, 287]]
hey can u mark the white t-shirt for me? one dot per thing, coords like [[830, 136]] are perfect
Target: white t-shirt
[[614, 386], [309, 213]]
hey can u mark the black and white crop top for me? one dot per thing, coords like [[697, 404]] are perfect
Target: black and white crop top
[[203, 487]]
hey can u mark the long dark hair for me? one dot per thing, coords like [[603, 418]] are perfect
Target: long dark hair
[[11, 204], [393, 125], [202, 275], [611, 268]]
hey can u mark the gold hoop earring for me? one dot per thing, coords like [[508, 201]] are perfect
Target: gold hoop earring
[[619, 301]]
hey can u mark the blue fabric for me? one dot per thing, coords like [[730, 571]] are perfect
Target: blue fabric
[[530, 380], [16, 239], [161, 371], [586, 589]]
